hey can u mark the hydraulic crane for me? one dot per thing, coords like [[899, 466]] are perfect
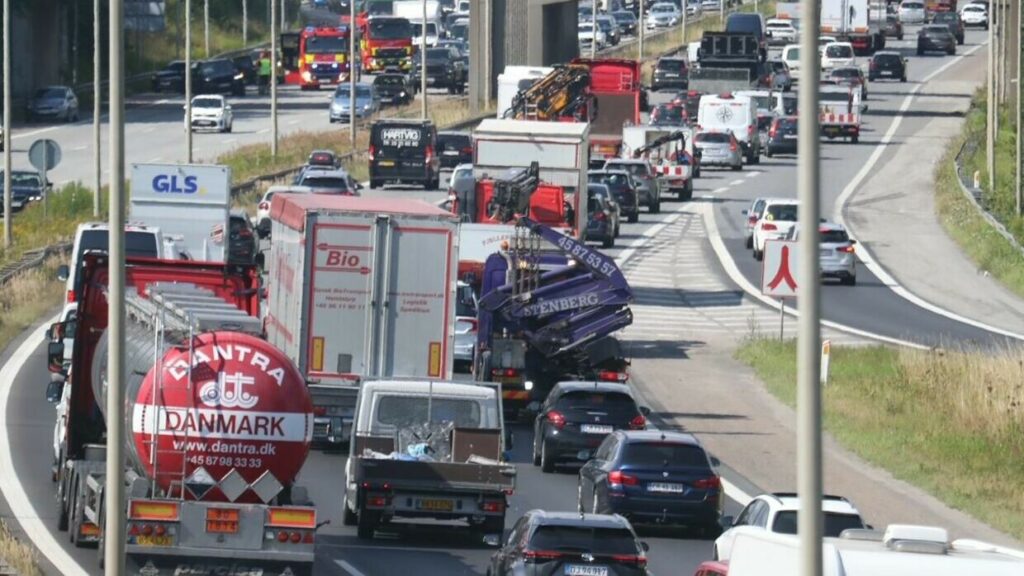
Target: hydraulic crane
[[564, 93]]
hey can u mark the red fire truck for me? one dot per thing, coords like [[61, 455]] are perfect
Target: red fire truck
[[323, 56], [386, 41]]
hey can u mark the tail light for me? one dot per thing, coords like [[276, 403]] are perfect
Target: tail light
[[638, 422], [769, 227], [492, 506], [467, 150], [532, 556], [773, 130], [507, 372], [846, 249], [372, 152], [618, 479], [612, 376], [71, 297], [600, 216], [712, 483], [429, 155], [634, 559], [750, 130], [752, 219], [319, 410], [556, 419], [733, 145]]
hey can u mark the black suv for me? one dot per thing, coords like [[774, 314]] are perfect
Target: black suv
[[217, 76], [887, 65], [576, 417], [951, 19], [543, 543], [170, 79], [394, 88], [936, 38], [404, 151], [671, 73], [444, 69], [455, 148]]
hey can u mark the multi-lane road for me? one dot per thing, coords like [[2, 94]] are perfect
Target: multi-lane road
[[683, 292]]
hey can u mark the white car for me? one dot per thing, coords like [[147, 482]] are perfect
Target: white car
[[836, 252], [777, 513], [210, 112], [778, 217], [974, 15], [791, 56], [140, 240], [663, 15], [460, 171], [586, 34], [838, 54], [912, 12], [780, 31], [694, 8]]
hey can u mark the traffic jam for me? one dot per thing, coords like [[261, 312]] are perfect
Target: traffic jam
[[426, 343]]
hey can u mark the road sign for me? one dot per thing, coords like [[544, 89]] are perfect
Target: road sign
[[779, 269], [44, 154]]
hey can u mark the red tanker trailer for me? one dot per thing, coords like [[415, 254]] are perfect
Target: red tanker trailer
[[218, 424]]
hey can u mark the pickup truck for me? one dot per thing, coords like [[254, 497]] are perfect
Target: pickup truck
[[427, 449]]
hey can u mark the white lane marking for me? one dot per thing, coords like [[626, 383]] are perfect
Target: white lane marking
[[735, 492], [719, 190], [152, 160], [348, 568], [231, 140], [646, 237], [263, 131], [753, 174], [11, 486], [34, 132], [736, 182], [147, 129], [864, 254]]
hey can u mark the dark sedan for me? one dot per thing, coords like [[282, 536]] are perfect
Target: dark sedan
[[653, 477], [936, 38], [887, 65], [455, 148], [782, 136], [671, 73], [669, 115], [170, 79], [241, 241], [953, 21], [26, 186], [623, 189], [394, 88]]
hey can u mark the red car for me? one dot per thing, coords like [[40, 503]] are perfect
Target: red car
[[712, 568]]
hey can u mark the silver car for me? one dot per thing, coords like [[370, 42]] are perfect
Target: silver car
[[367, 102], [836, 252], [465, 326], [649, 183], [719, 149]]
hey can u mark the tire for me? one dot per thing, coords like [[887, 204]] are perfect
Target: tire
[[634, 217], [655, 208], [737, 167], [366, 525], [62, 512], [375, 183], [547, 463], [749, 243], [768, 153], [608, 242], [960, 41], [536, 454], [758, 255], [349, 518], [899, 37]]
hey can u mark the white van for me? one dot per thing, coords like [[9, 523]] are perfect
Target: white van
[[515, 79], [736, 114], [140, 241], [791, 56]]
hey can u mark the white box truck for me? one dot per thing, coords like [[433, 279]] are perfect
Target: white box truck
[[855, 21], [360, 288], [561, 149]]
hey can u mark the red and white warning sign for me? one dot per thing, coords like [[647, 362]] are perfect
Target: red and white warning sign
[[779, 269]]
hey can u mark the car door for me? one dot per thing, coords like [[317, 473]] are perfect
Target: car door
[[502, 564], [592, 473], [741, 525]]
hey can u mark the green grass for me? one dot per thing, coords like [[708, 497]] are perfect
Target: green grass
[[990, 251], [947, 422], [37, 225]]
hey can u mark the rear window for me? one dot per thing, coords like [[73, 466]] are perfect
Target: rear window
[[673, 65], [604, 541], [386, 80], [136, 243], [332, 182], [834, 237], [452, 141], [613, 181], [784, 212], [912, 5], [634, 169], [595, 399], [785, 523], [745, 23], [713, 137], [846, 73], [405, 410], [663, 454], [888, 58], [838, 51]]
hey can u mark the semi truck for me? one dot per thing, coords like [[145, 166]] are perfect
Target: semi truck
[[360, 288], [217, 421], [858, 22]]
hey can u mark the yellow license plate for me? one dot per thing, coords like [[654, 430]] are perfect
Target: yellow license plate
[[153, 541], [385, 163], [435, 505]]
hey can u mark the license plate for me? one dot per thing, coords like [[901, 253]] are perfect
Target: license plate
[[153, 540], [436, 505], [450, 153], [385, 163], [585, 570], [789, 136], [665, 487], [825, 252], [596, 429]]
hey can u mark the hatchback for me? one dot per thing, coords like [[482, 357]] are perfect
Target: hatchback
[[653, 477], [600, 216], [367, 102], [791, 56], [53, 103], [837, 54], [936, 38], [577, 416], [782, 137], [544, 543], [778, 217], [912, 12], [836, 252], [887, 65], [975, 15], [455, 148], [648, 183], [328, 181], [753, 214], [719, 149], [623, 189], [953, 21]]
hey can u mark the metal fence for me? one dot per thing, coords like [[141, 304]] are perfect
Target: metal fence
[[976, 196], [31, 260]]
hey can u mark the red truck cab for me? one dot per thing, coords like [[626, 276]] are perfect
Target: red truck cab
[[386, 42], [615, 85], [323, 56]]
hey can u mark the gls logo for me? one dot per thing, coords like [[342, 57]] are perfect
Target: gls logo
[[170, 184]]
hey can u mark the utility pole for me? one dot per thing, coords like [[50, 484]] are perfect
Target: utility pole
[[206, 28], [8, 233], [188, 82], [488, 21], [273, 82], [74, 45], [642, 28], [423, 63], [284, 17], [245, 23], [990, 125], [682, 30], [113, 541], [352, 74], [593, 35], [810, 521], [97, 103], [1019, 109]]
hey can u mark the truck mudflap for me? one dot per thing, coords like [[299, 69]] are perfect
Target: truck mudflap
[[143, 563]]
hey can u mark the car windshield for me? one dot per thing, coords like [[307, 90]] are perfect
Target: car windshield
[[326, 45], [135, 243], [666, 114], [626, 17], [206, 103], [783, 212], [785, 523], [616, 182], [792, 53], [846, 73], [437, 54], [634, 169], [839, 51], [332, 182], [713, 137], [459, 31], [386, 80], [177, 67], [390, 29], [606, 541], [937, 30], [944, 17], [664, 454], [50, 93], [586, 28], [673, 65], [404, 410]]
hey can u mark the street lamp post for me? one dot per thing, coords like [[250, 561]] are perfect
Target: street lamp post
[[8, 235], [97, 97], [273, 79], [188, 81], [423, 63]]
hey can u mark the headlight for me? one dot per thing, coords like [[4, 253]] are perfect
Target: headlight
[[307, 76], [402, 94], [240, 76]]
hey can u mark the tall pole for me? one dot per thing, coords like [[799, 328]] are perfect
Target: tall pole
[[74, 46], [113, 539], [352, 74], [423, 63], [8, 233], [188, 81], [97, 103], [990, 125], [1019, 29], [810, 521], [245, 23], [682, 30], [273, 82], [643, 29], [593, 35], [488, 21], [284, 17], [206, 28]]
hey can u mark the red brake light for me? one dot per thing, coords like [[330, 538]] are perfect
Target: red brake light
[[429, 154], [732, 145], [617, 478], [769, 226], [540, 555], [468, 150], [372, 152], [638, 422], [319, 410], [556, 419], [492, 506], [612, 376], [600, 216], [71, 296], [712, 483], [773, 130], [846, 249], [630, 559]]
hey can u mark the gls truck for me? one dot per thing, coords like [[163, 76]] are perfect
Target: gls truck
[[360, 288]]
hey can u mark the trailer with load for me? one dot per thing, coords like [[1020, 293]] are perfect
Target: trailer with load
[[217, 423], [727, 62], [858, 22], [360, 288], [839, 110], [670, 152]]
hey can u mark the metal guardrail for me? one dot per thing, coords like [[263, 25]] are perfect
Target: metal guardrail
[[975, 195], [31, 260]]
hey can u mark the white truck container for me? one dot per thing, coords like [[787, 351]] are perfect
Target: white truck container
[[515, 79], [360, 288], [190, 205], [839, 109], [855, 21], [412, 10], [561, 149]]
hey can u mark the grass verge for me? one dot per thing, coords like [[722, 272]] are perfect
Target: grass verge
[[18, 555], [40, 225], [947, 422], [959, 217]]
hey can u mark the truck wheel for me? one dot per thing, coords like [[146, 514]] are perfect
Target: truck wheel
[[62, 509], [634, 217], [374, 184], [655, 208], [349, 518], [547, 463], [855, 138], [366, 525]]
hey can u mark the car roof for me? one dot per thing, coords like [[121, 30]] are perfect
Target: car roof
[[781, 201], [829, 503], [549, 518], [324, 171], [592, 386], [659, 436], [887, 53], [625, 161]]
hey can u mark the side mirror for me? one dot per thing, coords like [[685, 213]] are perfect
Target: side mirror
[[55, 357], [715, 462], [852, 241], [745, 212], [645, 410], [54, 390], [726, 522], [63, 273]]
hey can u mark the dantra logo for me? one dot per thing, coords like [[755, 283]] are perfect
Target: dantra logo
[[228, 391]]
